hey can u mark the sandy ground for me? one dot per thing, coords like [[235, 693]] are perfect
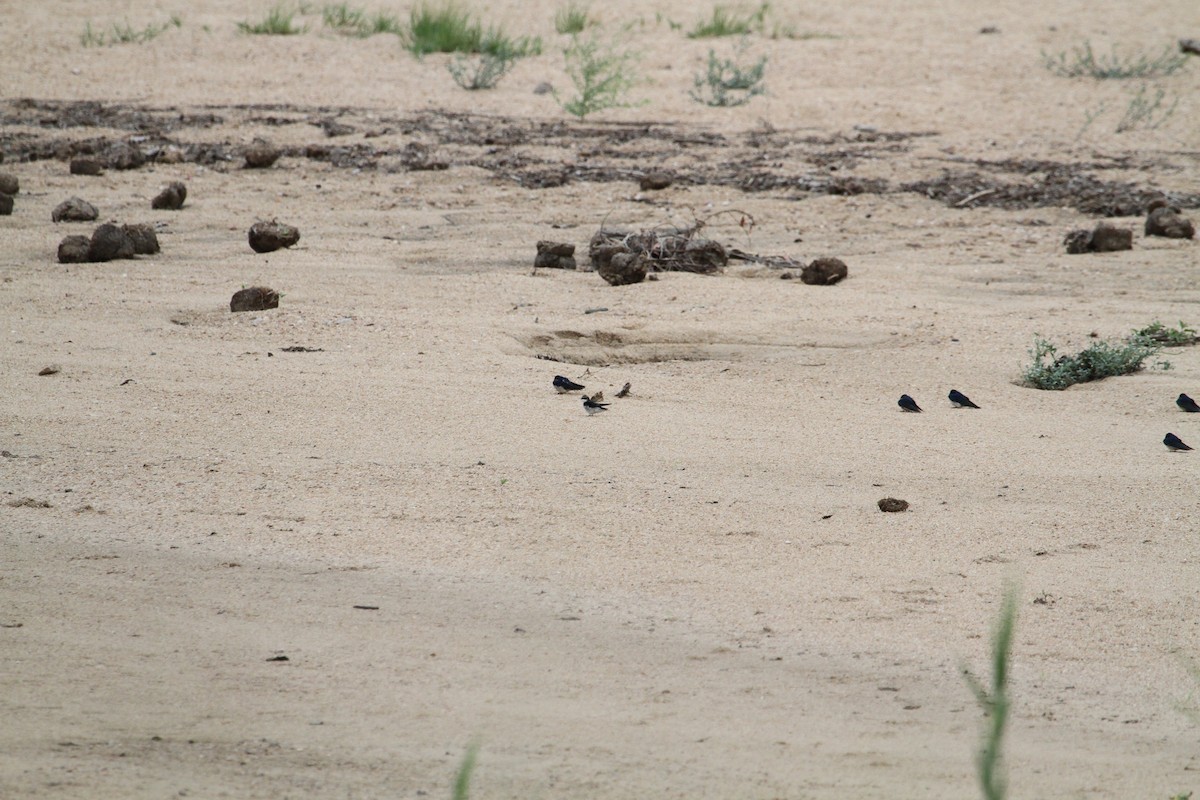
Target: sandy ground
[[691, 595]]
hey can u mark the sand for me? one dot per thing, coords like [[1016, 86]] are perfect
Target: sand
[[690, 595]]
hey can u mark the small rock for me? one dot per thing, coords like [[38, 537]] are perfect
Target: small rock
[[53, 369], [73, 250], [786, 276], [656, 180], [1165, 220], [543, 88], [261, 155], [9, 183], [6, 204], [170, 198], [892, 505], [145, 240], [122, 155], [1107, 238], [109, 242], [1190, 46], [86, 166], [623, 268], [268, 236], [74, 210], [988, 29], [824, 272], [555, 255], [256, 298]]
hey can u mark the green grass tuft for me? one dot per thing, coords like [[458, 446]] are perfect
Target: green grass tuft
[[451, 29], [1168, 337], [1085, 62], [1048, 370], [125, 33], [996, 702], [728, 82], [728, 22], [462, 781], [571, 19], [279, 21], [602, 75], [481, 71]]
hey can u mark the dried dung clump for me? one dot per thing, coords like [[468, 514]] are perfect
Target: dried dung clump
[[824, 272], [1166, 220], [1105, 238], [145, 240], [170, 198], [86, 166], [266, 237], [892, 505], [256, 298], [261, 155], [9, 183], [665, 250], [74, 210], [654, 181], [110, 242], [555, 255], [6, 204], [73, 249]]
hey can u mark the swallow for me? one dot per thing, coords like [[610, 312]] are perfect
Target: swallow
[[593, 408], [908, 404], [960, 400], [564, 385], [1174, 443], [1187, 403]]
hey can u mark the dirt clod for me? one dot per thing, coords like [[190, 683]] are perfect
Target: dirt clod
[[145, 240], [122, 155], [892, 505], [656, 180], [261, 155], [555, 255], [255, 298], [9, 183], [1191, 46], [6, 204], [824, 272], [1166, 220], [266, 237], [74, 210], [622, 268], [108, 242], [53, 369], [170, 198], [73, 250], [1104, 238], [86, 166]]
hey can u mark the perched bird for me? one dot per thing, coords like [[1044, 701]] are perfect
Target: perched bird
[[593, 408], [565, 385], [907, 403], [960, 400], [624, 390], [1174, 443], [1187, 403], [598, 397]]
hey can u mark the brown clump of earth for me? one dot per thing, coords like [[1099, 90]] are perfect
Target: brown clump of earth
[[73, 249], [555, 255], [74, 209], [266, 237], [110, 242], [1168, 221], [143, 236], [892, 505], [1104, 238], [86, 166], [9, 183], [255, 298], [824, 272], [6, 204], [170, 198], [261, 155]]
